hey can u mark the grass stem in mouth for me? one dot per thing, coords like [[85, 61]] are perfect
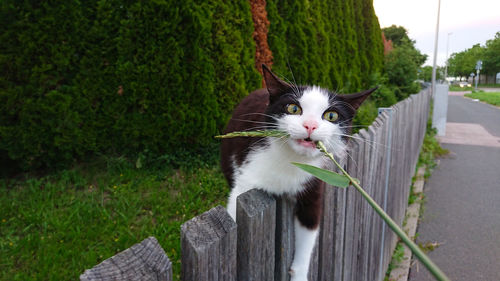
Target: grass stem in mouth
[[260, 133]]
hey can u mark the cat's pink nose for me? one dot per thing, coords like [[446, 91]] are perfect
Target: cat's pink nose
[[310, 126]]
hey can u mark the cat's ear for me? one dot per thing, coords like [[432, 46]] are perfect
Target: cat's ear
[[355, 100], [275, 86]]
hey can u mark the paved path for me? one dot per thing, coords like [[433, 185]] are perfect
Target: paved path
[[462, 209]]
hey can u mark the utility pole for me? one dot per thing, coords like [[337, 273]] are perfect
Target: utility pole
[[435, 52]]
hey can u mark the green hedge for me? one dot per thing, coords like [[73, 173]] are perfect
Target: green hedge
[[80, 78], [90, 77], [336, 44]]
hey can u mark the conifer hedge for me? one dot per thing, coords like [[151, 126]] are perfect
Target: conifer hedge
[[336, 44], [80, 78], [85, 77]]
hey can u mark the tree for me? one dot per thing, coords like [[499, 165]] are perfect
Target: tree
[[491, 56], [397, 34], [425, 73], [403, 62], [463, 63]]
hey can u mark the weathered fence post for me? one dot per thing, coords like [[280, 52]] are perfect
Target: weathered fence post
[[284, 245], [208, 244], [256, 217], [143, 261]]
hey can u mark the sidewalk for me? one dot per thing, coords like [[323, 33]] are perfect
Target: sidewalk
[[462, 209]]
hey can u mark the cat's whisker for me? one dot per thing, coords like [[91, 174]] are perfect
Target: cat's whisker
[[361, 139], [373, 144], [262, 114], [254, 121], [345, 104]]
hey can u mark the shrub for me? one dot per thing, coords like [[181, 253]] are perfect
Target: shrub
[[334, 44], [119, 77]]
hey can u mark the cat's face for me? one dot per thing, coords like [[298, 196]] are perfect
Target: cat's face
[[311, 114]]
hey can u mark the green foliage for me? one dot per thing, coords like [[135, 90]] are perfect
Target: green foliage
[[81, 78], [335, 44], [402, 64], [431, 149], [462, 64], [491, 62], [425, 73], [455, 88], [397, 258], [331, 178], [397, 34], [401, 67]]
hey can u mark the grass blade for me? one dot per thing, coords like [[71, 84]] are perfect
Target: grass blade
[[259, 133], [329, 177]]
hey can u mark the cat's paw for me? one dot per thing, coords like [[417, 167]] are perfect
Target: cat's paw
[[298, 274]]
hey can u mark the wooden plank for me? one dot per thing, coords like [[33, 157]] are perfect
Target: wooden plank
[[284, 243], [331, 236], [358, 211], [350, 247], [312, 275], [143, 261], [365, 208], [383, 140], [208, 247], [391, 198], [340, 214], [374, 175], [256, 217], [382, 146]]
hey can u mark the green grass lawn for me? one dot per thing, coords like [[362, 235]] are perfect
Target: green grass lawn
[[455, 88], [54, 227], [489, 97]]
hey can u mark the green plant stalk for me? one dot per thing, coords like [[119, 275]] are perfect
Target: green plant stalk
[[258, 133], [431, 266]]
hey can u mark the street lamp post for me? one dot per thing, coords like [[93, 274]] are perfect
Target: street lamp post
[[435, 52]]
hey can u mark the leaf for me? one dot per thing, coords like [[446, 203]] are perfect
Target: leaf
[[138, 163], [329, 177]]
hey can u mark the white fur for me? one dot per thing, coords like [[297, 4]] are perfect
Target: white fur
[[269, 168], [304, 244]]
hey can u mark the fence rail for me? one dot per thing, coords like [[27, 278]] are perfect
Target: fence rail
[[353, 243]]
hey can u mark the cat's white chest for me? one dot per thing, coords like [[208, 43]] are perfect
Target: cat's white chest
[[270, 169]]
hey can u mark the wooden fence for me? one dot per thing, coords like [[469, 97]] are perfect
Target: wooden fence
[[353, 243]]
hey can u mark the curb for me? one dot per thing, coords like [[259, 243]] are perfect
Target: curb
[[402, 272]]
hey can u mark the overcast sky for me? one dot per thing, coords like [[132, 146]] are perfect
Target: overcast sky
[[470, 22]]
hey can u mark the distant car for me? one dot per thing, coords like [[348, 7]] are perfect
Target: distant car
[[463, 84]]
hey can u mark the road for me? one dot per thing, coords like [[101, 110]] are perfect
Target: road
[[462, 208]]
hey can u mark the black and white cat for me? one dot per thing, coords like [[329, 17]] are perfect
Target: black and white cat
[[308, 114]]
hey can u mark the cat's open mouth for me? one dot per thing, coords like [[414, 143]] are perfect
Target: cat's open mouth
[[307, 143]]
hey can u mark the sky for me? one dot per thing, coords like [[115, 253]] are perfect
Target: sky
[[469, 22]]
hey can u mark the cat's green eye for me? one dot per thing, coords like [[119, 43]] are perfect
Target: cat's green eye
[[294, 109], [331, 116]]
